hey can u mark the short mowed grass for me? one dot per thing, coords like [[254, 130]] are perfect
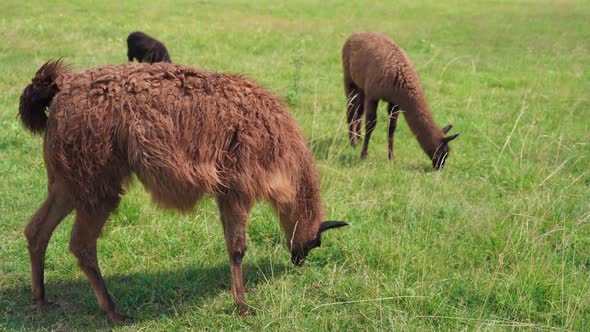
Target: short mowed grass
[[500, 239]]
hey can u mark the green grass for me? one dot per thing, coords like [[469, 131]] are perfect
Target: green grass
[[498, 240]]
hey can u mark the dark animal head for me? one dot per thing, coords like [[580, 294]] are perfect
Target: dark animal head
[[442, 152], [299, 254]]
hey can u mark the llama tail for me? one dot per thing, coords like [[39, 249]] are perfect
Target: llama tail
[[37, 96]]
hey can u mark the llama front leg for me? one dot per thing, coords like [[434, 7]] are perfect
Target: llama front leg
[[370, 123], [234, 215], [85, 233], [38, 232], [393, 110]]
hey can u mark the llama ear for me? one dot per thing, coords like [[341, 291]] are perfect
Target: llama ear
[[324, 226], [449, 138], [331, 224], [447, 128]]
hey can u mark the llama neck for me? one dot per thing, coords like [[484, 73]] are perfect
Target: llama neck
[[304, 213], [308, 201], [422, 124]]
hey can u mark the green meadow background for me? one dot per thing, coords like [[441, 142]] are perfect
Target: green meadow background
[[500, 239]]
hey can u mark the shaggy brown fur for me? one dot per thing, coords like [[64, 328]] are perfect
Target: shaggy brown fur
[[375, 68], [145, 48], [185, 133]]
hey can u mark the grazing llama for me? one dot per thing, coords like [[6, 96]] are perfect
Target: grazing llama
[[184, 133], [145, 48], [375, 68]]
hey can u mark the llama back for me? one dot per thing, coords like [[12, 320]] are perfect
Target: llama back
[[381, 68], [184, 132]]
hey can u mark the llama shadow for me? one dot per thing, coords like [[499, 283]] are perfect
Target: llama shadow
[[339, 151], [423, 167], [143, 296]]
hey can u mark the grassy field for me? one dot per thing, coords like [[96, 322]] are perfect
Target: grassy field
[[498, 240]]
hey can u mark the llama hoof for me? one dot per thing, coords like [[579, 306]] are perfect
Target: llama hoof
[[245, 311], [46, 305], [364, 155], [119, 318], [54, 306]]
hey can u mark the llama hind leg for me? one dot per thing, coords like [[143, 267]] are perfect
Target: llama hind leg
[[358, 119], [354, 111], [370, 123], [54, 209], [393, 110], [234, 215], [85, 233]]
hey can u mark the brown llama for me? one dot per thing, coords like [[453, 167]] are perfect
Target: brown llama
[[184, 132], [145, 48], [375, 68]]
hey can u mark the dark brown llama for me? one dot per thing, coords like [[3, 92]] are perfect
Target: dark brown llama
[[375, 68], [145, 48], [185, 133]]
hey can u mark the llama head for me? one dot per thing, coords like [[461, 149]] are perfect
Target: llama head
[[442, 152], [299, 253]]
